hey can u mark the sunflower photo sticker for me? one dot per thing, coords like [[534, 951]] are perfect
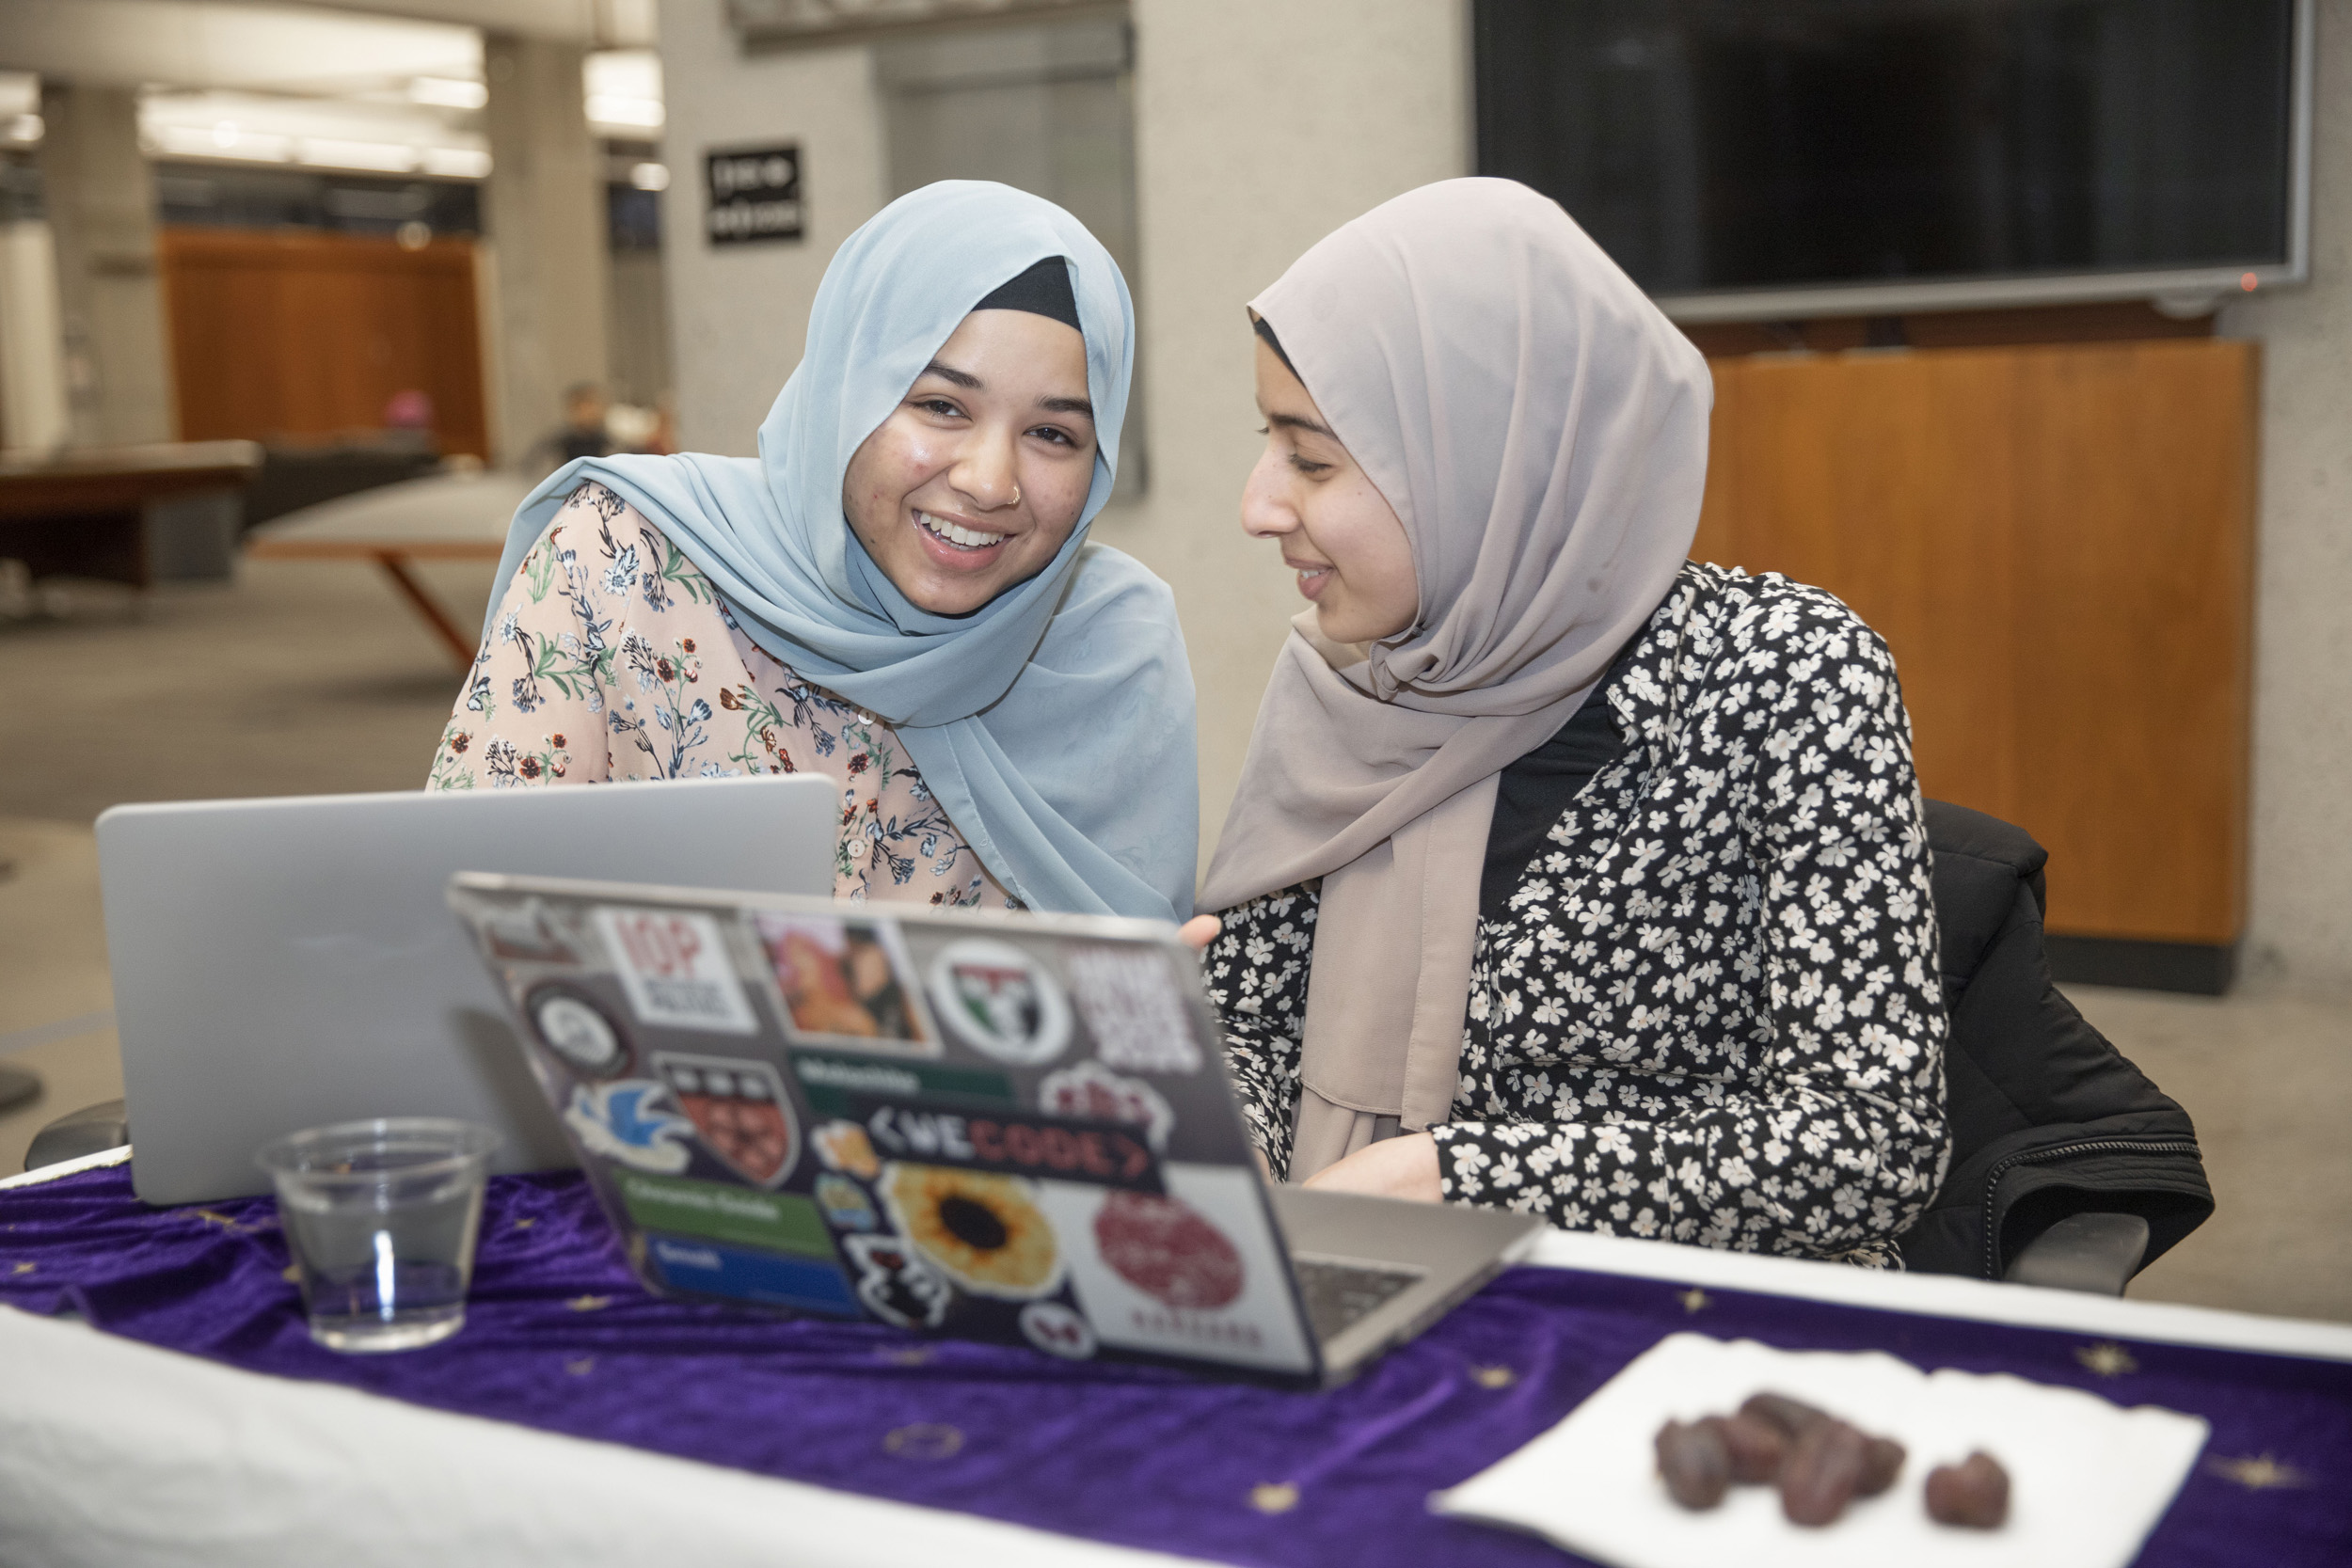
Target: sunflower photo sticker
[[844, 980], [985, 1232]]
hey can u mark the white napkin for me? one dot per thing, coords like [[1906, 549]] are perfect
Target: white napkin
[[2088, 1479]]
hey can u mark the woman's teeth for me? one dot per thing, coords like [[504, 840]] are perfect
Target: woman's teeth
[[965, 538]]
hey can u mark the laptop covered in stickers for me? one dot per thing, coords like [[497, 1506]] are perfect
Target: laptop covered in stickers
[[998, 1126]]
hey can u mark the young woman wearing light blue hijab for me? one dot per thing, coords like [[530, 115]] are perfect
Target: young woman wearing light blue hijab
[[898, 592]]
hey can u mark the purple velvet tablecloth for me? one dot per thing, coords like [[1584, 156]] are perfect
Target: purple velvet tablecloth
[[560, 1338]]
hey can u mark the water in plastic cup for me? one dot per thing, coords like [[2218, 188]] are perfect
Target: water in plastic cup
[[381, 1218]]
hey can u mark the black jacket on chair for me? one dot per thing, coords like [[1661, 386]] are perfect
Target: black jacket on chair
[[2048, 1119]]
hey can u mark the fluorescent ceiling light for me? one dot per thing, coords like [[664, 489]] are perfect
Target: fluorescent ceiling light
[[612, 110], [26, 128], [334, 152], [650, 177], [208, 141], [446, 92], [457, 162]]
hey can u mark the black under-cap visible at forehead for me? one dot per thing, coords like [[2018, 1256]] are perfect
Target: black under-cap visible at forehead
[[1265, 329], [1043, 290]]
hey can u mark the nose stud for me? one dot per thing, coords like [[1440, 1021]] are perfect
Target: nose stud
[[1016, 495]]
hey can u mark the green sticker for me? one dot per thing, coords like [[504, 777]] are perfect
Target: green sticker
[[781, 1221], [833, 1081]]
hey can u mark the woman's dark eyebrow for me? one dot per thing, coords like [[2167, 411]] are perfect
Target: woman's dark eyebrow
[[1293, 422], [952, 376], [972, 383]]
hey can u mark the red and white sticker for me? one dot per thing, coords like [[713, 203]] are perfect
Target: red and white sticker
[[1091, 1091], [1057, 1331], [674, 965], [1194, 1273]]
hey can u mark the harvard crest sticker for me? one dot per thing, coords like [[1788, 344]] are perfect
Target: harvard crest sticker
[[738, 1110], [1000, 1001]]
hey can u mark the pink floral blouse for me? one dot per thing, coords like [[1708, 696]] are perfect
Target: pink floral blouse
[[612, 657]]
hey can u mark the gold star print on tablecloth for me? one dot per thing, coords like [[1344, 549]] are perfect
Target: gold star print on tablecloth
[[214, 1216], [588, 1304], [582, 1367], [2107, 1359], [1493, 1377], [1694, 1299], [1273, 1496], [2258, 1472], [924, 1440], [25, 1268]]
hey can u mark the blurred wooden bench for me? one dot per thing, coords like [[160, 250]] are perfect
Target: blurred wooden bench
[[92, 514]]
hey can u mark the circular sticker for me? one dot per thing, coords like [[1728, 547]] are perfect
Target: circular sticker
[[1168, 1250], [578, 1031], [1000, 1001], [1057, 1331]]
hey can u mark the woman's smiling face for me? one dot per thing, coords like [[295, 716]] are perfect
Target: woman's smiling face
[[976, 479], [1337, 531]]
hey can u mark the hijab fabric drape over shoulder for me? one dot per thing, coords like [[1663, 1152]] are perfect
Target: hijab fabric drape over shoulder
[[1055, 724], [1540, 429]]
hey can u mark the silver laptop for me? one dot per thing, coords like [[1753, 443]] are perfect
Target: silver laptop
[[1010, 1127], [285, 964]]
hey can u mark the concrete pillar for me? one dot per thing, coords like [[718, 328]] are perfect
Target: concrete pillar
[[545, 213], [34, 412], [101, 204]]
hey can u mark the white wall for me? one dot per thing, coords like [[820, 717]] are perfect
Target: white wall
[[739, 313], [1262, 125], [2301, 932]]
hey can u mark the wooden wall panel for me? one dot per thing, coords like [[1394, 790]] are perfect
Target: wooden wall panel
[[2133, 589], [1887, 482], [2053, 542], [295, 333]]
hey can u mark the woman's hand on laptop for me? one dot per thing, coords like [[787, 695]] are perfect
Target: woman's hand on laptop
[[1200, 930], [1402, 1167]]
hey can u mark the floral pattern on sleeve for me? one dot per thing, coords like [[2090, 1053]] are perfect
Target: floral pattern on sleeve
[[612, 657], [1256, 975]]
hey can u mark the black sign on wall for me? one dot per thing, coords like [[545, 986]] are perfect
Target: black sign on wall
[[755, 194]]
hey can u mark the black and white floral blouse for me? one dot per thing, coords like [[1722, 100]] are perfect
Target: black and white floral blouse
[[1709, 1012]]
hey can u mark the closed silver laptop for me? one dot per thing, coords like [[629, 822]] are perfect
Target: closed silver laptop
[[285, 964], [998, 1126]]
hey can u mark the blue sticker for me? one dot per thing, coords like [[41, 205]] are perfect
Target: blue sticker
[[630, 1121], [769, 1278]]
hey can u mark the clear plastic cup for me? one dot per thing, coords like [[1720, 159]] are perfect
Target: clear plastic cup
[[381, 1218]]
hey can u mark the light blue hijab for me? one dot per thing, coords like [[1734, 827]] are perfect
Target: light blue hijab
[[1055, 724]]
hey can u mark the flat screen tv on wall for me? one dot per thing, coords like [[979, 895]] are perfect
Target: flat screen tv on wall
[[1760, 159]]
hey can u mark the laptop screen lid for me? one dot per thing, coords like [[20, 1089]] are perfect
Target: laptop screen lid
[[1001, 1127], [290, 962]]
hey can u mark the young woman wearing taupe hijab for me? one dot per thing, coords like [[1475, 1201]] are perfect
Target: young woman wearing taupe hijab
[[1565, 874]]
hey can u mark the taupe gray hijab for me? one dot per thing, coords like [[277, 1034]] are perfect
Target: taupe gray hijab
[[1541, 431]]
